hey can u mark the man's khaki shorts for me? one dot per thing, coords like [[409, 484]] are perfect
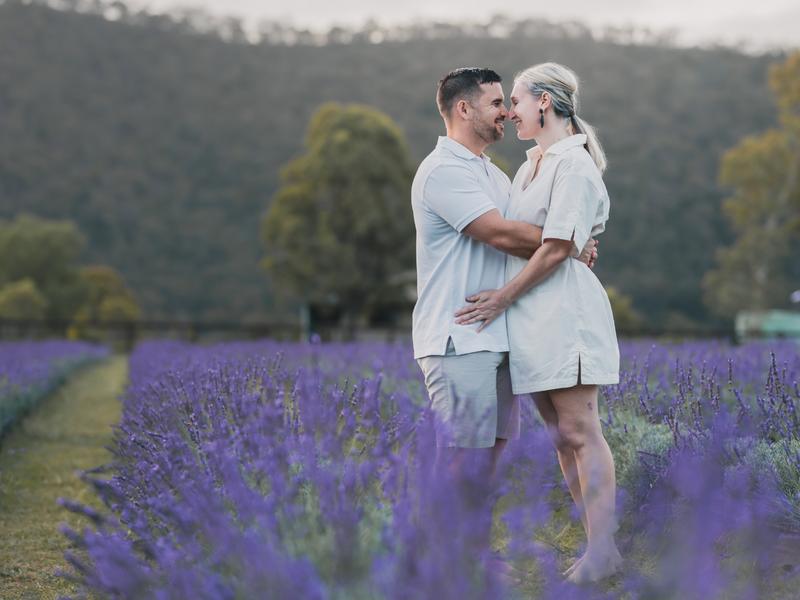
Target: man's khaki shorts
[[471, 398]]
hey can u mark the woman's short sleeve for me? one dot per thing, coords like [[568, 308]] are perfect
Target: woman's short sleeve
[[573, 208]]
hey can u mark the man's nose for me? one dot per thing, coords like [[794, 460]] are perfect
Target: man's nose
[[503, 110]]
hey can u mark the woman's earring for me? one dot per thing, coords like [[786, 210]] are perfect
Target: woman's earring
[[541, 118]]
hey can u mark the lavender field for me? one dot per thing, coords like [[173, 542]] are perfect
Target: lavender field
[[273, 470], [30, 370]]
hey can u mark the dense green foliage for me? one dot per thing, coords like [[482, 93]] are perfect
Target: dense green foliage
[[340, 229], [21, 300], [166, 147], [40, 279], [764, 209], [44, 253], [109, 298]]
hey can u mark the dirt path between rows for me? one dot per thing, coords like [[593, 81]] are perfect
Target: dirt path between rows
[[66, 434]]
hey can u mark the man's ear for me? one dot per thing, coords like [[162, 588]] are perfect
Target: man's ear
[[462, 110]]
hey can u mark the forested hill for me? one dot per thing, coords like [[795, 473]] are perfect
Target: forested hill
[[166, 147]]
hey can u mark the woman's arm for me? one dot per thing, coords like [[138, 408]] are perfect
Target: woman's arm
[[488, 305]]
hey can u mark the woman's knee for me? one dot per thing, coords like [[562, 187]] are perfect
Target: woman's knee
[[574, 435], [559, 443], [582, 434]]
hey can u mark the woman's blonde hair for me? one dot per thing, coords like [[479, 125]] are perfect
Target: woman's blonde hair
[[562, 85]]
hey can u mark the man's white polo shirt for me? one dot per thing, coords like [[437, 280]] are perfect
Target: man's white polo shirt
[[452, 188]]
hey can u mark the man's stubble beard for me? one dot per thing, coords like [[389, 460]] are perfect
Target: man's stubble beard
[[486, 132]]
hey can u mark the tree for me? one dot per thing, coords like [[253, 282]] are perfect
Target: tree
[[109, 298], [764, 208], [340, 227], [45, 252], [22, 301], [625, 317], [166, 165]]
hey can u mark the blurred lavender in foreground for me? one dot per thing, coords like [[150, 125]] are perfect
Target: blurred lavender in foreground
[[30, 370], [267, 470]]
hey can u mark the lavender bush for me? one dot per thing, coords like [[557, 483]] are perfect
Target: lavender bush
[[30, 370], [271, 470]]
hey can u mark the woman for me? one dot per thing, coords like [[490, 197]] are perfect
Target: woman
[[561, 331]]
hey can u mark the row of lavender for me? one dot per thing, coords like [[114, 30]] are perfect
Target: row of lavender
[[30, 370], [269, 470]]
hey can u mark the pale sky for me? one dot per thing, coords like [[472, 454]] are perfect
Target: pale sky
[[764, 23]]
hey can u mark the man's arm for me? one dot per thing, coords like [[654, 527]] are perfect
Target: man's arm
[[512, 237], [516, 237]]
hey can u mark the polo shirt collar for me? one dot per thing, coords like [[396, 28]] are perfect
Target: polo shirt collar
[[458, 149], [570, 142]]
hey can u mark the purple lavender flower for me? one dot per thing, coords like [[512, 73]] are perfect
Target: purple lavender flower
[[279, 470]]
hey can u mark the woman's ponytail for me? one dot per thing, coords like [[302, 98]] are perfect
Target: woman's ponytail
[[578, 125]]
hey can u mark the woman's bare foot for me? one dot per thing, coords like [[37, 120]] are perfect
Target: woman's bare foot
[[504, 580], [594, 566], [496, 565], [574, 566]]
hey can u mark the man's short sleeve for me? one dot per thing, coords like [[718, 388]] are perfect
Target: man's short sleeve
[[454, 193], [573, 208]]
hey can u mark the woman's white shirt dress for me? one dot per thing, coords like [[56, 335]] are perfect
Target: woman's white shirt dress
[[565, 321]]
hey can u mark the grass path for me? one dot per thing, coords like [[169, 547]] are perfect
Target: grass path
[[67, 433]]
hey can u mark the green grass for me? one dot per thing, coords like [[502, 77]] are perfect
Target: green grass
[[66, 434]]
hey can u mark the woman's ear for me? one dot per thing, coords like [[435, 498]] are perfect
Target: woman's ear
[[545, 100]]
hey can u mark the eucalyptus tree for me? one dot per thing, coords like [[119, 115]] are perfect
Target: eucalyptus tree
[[340, 228], [764, 172]]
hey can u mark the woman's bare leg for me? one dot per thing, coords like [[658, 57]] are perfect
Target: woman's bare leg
[[579, 429], [566, 458], [566, 455]]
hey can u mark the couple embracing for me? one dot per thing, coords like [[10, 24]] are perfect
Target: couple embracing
[[538, 321]]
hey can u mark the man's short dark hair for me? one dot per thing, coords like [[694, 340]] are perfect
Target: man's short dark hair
[[462, 84]]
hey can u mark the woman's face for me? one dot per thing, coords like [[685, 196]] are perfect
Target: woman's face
[[525, 112]]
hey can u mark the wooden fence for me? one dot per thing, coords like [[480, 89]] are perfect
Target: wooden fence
[[124, 335]]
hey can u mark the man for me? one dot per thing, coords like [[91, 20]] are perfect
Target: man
[[459, 200]]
